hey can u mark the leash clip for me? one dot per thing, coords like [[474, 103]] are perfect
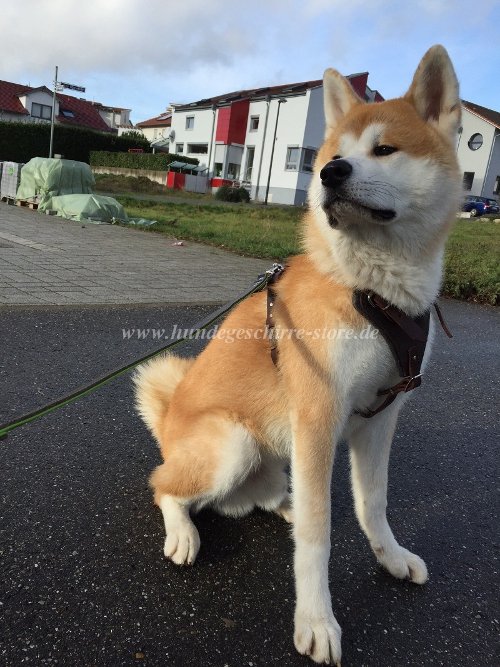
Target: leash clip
[[275, 269], [270, 275]]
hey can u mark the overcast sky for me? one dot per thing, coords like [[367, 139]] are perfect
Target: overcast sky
[[145, 54]]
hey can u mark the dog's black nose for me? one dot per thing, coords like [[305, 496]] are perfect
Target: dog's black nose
[[334, 173]]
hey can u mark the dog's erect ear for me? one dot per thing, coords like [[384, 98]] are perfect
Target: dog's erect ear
[[339, 97], [434, 92]]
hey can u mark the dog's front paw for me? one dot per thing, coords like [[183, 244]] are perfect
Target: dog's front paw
[[402, 564], [182, 543], [318, 637]]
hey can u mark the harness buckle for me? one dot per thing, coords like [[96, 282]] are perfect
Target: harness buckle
[[371, 300], [413, 382], [406, 384]]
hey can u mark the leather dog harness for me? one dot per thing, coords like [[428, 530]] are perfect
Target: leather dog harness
[[406, 337]]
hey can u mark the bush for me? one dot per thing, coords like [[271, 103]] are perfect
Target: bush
[[19, 141], [156, 162], [227, 193]]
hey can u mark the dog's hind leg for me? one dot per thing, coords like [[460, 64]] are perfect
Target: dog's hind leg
[[266, 487], [370, 444], [204, 467]]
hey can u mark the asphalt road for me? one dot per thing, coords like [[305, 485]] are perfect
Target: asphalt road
[[83, 579]]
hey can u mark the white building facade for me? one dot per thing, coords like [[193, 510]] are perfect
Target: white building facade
[[264, 139], [478, 150]]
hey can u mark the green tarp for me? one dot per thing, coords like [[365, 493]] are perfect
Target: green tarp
[[65, 186], [88, 207], [44, 178]]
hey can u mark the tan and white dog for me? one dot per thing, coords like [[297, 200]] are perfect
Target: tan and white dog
[[384, 192]]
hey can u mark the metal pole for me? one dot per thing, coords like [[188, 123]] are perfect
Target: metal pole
[[262, 144], [280, 102], [53, 115], [211, 138]]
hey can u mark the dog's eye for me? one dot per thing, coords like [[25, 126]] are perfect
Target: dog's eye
[[336, 157], [380, 151]]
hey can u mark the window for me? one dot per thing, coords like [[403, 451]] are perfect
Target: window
[[179, 148], [292, 158], [189, 122], [475, 142], [233, 171], [254, 123], [197, 148], [496, 189], [67, 113], [308, 155], [250, 157], [41, 111], [218, 169], [468, 180]]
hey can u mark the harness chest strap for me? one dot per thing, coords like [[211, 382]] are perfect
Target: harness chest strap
[[406, 337]]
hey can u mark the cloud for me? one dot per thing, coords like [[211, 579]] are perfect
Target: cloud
[[145, 54], [126, 35]]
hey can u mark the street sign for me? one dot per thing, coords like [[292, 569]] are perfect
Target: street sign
[[58, 86], [72, 87]]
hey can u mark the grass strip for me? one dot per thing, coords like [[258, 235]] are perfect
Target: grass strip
[[472, 262], [472, 257], [256, 230]]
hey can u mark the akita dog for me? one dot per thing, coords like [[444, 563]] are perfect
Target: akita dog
[[384, 192]]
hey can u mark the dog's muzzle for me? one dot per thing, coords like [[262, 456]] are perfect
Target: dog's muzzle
[[336, 174]]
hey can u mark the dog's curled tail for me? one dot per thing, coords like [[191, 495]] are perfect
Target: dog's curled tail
[[155, 383]]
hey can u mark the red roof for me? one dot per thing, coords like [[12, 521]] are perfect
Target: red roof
[[85, 114], [9, 97], [358, 82], [163, 120]]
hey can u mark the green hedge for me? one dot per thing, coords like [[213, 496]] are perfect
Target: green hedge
[[19, 142], [156, 162]]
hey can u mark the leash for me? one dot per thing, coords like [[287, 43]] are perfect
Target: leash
[[262, 281]]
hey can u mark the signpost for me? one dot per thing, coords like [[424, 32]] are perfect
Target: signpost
[[58, 86], [72, 87]]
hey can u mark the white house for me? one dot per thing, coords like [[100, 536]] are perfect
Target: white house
[[478, 150], [114, 117], [157, 129], [265, 138]]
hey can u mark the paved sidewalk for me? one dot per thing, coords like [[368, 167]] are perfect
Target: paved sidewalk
[[50, 261]]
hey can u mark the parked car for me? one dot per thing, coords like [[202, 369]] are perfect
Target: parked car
[[480, 205]]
